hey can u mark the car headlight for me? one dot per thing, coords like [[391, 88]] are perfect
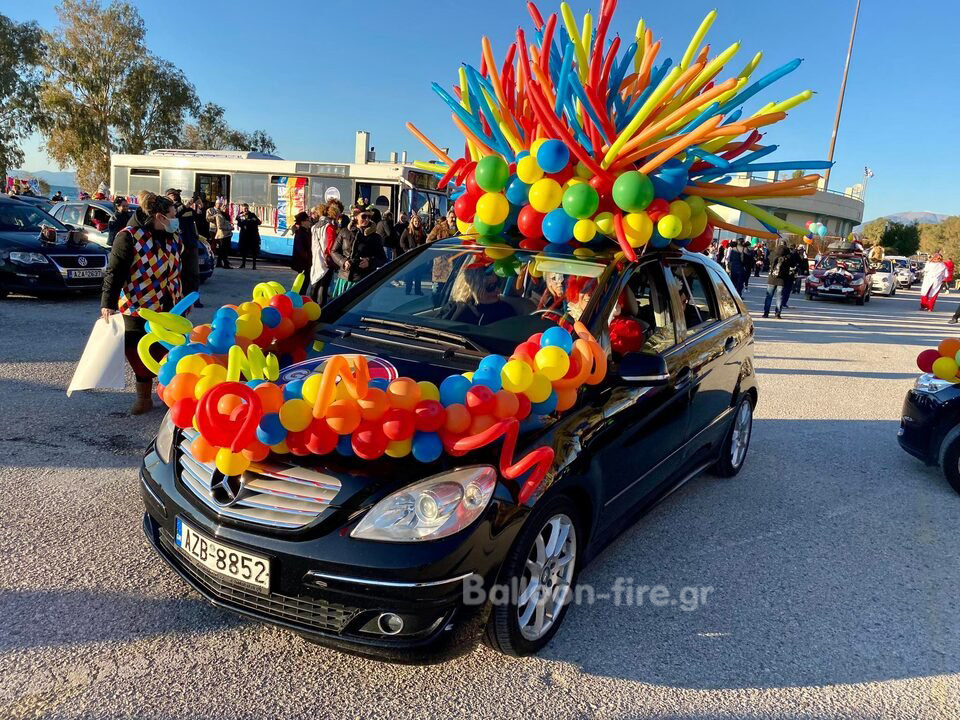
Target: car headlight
[[430, 509], [165, 439], [27, 258], [857, 282], [931, 384]]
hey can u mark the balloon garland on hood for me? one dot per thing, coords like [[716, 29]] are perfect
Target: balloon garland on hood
[[567, 139]]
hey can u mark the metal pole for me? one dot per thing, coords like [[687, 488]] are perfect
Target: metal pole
[[843, 88]]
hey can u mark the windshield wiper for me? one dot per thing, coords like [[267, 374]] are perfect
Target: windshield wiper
[[420, 332]]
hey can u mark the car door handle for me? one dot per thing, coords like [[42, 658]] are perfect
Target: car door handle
[[683, 379], [730, 344]]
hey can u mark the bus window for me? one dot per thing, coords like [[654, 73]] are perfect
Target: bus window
[[251, 188], [213, 186]]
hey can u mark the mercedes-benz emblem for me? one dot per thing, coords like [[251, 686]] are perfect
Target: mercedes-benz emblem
[[82, 261], [226, 490]]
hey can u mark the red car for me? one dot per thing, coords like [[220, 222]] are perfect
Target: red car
[[840, 275]]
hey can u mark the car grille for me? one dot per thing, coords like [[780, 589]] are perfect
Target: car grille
[[274, 494], [72, 262], [307, 612]]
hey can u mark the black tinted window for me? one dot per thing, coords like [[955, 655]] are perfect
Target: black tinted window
[[695, 291], [642, 320], [728, 305]]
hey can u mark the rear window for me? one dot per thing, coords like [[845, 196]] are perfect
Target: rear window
[[726, 301], [697, 300]]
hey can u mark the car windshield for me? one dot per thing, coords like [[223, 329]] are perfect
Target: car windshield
[[18, 217], [884, 266], [852, 265], [484, 298]]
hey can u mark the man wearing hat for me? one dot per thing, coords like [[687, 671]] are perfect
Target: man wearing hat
[[189, 253]]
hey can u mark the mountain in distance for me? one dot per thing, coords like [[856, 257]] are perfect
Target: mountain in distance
[[63, 179], [910, 217]]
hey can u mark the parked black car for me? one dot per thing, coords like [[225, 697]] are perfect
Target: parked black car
[[36, 201], [930, 425], [333, 548], [39, 254]]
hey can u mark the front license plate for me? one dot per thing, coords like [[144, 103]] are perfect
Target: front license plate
[[222, 559], [81, 274]]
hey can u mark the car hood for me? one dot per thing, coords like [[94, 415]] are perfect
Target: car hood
[[30, 242]]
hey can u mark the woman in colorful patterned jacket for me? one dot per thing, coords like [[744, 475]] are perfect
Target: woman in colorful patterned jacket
[[143, 272]]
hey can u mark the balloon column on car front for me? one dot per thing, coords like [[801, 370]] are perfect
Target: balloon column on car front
[[944, 361], [574, 138]]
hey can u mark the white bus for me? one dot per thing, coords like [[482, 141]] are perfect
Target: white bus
[[277, 189]]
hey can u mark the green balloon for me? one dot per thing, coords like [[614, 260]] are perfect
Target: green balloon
[[632, 191], [581, 201], [484, 229], [492, 173]]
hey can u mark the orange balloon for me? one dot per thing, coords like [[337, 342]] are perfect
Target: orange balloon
[[949, 347], [229, 403], [299, 317], [203, 451], [458, 418], [506, 404], [200, 333], [256, 451], [374, 405], [481, 423], [566, 397], [181, 386], [232, 307], [343, 416], [404, 393], [271, 397]]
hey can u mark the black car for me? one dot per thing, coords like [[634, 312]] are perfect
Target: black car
[[39, 254], [350, 553], [930, 425], [36, 201]]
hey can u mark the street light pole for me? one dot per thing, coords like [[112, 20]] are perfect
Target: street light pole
[[843, 88]]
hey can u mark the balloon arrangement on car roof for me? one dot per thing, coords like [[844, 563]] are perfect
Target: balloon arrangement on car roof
[[571, 142]]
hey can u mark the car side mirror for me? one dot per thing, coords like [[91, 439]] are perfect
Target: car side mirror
[[639, 369]]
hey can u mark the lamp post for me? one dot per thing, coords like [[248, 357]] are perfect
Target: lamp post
[[843, 88]]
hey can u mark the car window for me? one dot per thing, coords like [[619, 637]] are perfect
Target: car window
[[18, 217], [695, 291], [728, 305], [73, 215], [96, 217], [642, 320], [57, 211]]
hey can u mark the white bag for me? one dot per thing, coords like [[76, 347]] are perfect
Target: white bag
[[101, 365]]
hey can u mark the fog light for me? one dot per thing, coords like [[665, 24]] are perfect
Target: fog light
[[390, 623]]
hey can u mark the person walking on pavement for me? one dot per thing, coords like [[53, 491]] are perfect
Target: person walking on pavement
[[781, 260], [302, 254], [388, 232], [934, 273], [749, 262], [223, 232], [791, 277], [357, 254], [734, 261], [189, 244], [248, 242]]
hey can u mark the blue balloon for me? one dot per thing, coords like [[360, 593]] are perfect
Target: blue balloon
[[271, 431], [558, 226], [522, 154], [293, 390], [186, 302], [427, 446], [381, 383], [546, 407], [270, 317], [454, 390], [553, 156], [167, 371], [220, 340], [657, 240], [557, 337], [517, 191], [670, 180], [226, 312], [495, 362], [344, 446], [295, 298], [488, 377], [254, 383]]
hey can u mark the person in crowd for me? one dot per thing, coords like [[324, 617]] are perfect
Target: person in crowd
[[224, 234], [475, 298], [403, 220], [735, 268], [189, 242], [200, 208], [143, 272], [121, 215], [323, 235], [249, 241], [948, 280], [357, 253], [412, 237], [781, 262], [57, 197], [388, 232], [302, 254], [799, 259], [722, 252], [749, 263], [934, 273]]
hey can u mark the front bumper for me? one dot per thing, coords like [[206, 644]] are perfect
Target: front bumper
[[921, 431], [331, 588], [834, 292], [41, 279]]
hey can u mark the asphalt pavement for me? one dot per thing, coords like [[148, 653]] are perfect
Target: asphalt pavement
[[833, 560]]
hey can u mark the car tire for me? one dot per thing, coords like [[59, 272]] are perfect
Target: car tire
[[3, 293], [737, 442], [867, 298], [506, 630], [858, 301], [951, 464]]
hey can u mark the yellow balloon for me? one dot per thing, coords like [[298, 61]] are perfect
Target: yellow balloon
[[698, 223], [311, 388], [545, 195], [468, 375], [680, 209], [528, 170], [231, 463], [399, 448], [249, 308], [428, 391], [573, 181], [143, 350], [540, 387], [516, 376], [535, 146], [585, 230], [313, 311], [604, 223], [552, 362], [945, 368], [696, 204], [204, 384], [670, 226], [492, 208], [583, 171], [465, 228], [280, 448], [686, 229], [638, 228], [193, 364], [296, 415]]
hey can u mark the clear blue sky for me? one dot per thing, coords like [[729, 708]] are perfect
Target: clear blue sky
[[313, 73]]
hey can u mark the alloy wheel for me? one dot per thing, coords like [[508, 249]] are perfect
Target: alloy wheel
[[740, 440], [545, 583]]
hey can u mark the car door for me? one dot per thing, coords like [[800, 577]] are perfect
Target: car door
[[637, 447], [708, 346]]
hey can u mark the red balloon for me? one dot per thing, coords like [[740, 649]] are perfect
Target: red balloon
[[397, 424], [283, 304], [702, 241], [368, 440], [429, 416], [530, 222], [321, 439], [480, 400], [535, 338], [926, 359], [525, 407], [257, 451], [657, 209], [297, 443], [604, 188], [564, 175], [182, 412], [472, 188], [465, 207]]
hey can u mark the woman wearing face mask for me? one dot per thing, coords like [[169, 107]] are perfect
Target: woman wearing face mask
[[143, 272]]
